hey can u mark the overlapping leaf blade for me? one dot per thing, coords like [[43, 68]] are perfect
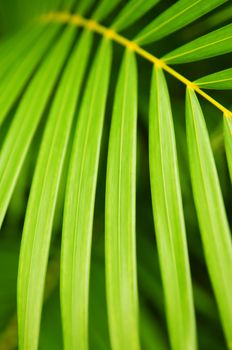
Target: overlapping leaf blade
[[15, 80], [131, 12], [27, 118], [213, 223], [228, 142], [120, 201], [169, 218], [42, 201], [212, 44], [20, 42], [175, 17], [220, 80], [79, 204], [120, 248], [67, 5], [84, 6], [104, 8]]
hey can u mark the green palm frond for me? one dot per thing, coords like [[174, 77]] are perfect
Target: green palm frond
[[213, 44], [175, 17], [43, 196], [131, 12], [14, 80], [75, 122]]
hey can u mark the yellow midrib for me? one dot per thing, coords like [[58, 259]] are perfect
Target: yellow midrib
[[79, 21]]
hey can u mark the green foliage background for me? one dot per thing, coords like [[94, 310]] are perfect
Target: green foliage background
[[27, 44]]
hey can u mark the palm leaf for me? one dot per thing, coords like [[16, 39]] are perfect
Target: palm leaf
[[49, 70], [27, 119], [213, 44], [40, 211], [131, 12], [79, 204], [21, 42], [169, 218], [210, 209], [120, 212], [16, 79], [219, 81], [104, 9], [84, 6], [175, 17]]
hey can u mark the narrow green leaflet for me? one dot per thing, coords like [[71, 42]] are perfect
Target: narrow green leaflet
[[104, 9], [228, 142], [175, 17], [120, 248], [84, 6], [131, 12], [213, 223], [10, 40], [219, 81], [21, 44], [42, 201], [16, 79], [213, 44], [79, 203], [27, 118], [67, 5], [220, 16], [169, 218]]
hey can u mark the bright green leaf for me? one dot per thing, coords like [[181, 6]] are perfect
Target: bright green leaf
[[79, 204], [219, 81], [210, 210], [131, 12], [104, 8], [84, 6], [42, 201], [175, 17], [27, 118], [16, 79], [169, 218], [21, 43], [213, 44], [120, 213]]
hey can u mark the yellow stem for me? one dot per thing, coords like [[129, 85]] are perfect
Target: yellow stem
[[77, 20]]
